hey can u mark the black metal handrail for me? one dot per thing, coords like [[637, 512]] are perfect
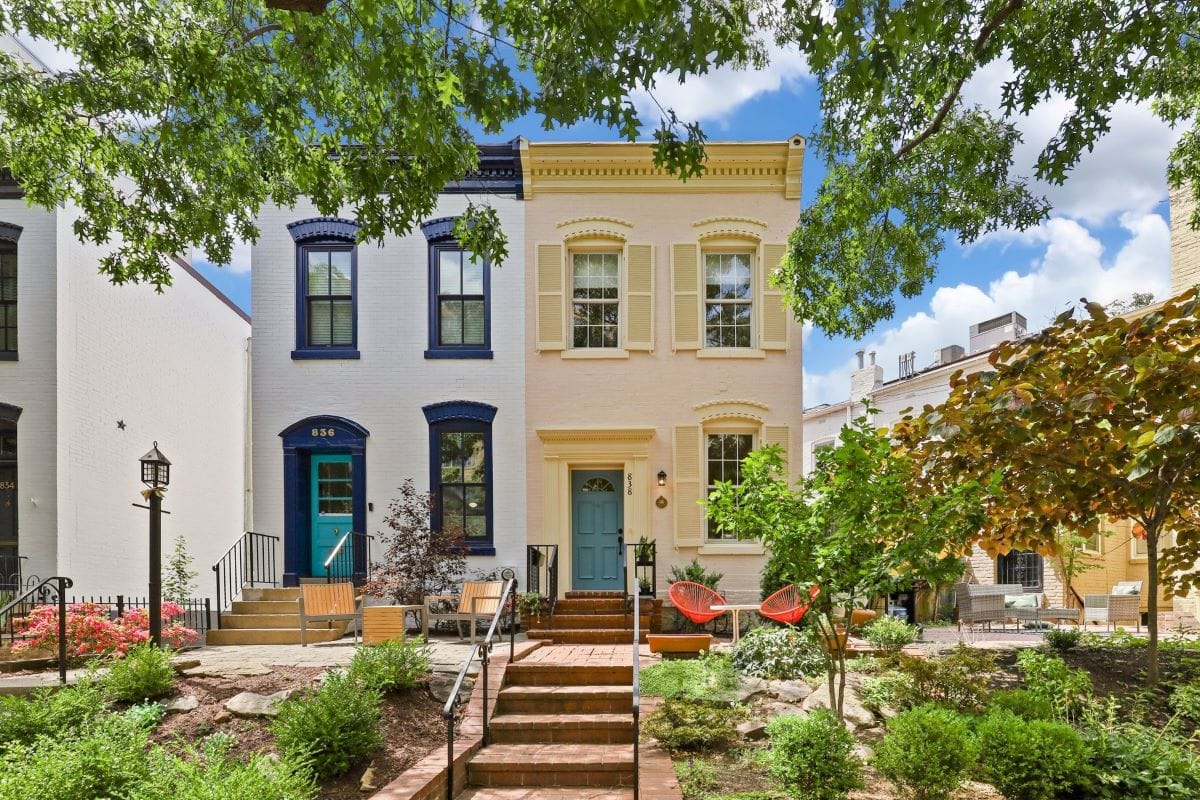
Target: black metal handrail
[[350, 558], [249, 562], [41, 595], [11, 571], [508, 599], [541, 569], [645, 558], [636, 600]]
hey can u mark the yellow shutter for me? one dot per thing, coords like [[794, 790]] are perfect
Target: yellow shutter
[[639, 297], [551, 325], [689, 486], [685, 296], [773, 335], [780, 435]]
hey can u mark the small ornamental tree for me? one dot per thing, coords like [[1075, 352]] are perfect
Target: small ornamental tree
[[178, 576], [853, 527], [417, 559], [1092, 418]]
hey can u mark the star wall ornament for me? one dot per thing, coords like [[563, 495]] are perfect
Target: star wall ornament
[[121, 424]]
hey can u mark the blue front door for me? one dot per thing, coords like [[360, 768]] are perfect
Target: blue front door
[[332, 511], [596, 529]]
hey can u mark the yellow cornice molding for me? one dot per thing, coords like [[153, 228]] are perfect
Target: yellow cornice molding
[[588, 227], [739, 227], [711, 403], [715, 410], [575, 435], [731, 167]]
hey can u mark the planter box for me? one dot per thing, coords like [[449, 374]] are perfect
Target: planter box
[[679, 645]]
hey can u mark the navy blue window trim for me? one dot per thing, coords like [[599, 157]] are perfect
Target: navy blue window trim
[[462, 417], [440, 233], [324, 235]]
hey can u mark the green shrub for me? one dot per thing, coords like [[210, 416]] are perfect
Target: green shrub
[[334, 727], [687, 725], [1063, 640], [50, 712], [813, 756], [890, 634], [1031, 759], [928, 752], [1133, 761], [145, 673], [145, 715], [695, 572], [1022, 703], [212, 773], [778, 653], [1049, 677], [958, 680], [880, 691], [1185, 702], [699, 678], [392, 665], [697, 777]]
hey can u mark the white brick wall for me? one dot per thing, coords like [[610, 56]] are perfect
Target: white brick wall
[[385, 390]]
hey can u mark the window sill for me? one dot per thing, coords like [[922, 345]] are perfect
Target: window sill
[[731, 352], [332, 352], [732, 549], [9, 355], [481, 549], [481, 352], [584, 353]]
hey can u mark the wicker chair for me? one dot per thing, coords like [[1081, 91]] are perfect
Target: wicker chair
[[983, 603], [695, 601], [788, 605], [1123, 604]]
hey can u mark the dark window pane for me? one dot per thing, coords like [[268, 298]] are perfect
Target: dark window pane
[[333, 469], [451, 328], [450, 272], [342, 332], [472, 272], [473, 327], [335, 506], [319, 322], [476, 526]]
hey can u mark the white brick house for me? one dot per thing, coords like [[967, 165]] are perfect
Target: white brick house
[[375, 364]]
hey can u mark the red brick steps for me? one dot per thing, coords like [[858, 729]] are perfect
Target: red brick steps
[[562, 729], [593, 765], [547, 674], [587, 636], [547, 793], [615, 699]]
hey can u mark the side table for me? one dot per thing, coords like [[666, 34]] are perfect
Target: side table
[[381, 623]]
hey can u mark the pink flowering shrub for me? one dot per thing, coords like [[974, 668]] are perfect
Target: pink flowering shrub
[[91, 632]]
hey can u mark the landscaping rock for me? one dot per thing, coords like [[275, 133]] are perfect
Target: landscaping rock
[[789, 691], [222, 717], [440, 685], [181, 705], [181, 665], [777, 709], [752, 730], [228, 671], [852, 709], [862, 752], [368, 782], [249, 704], [746, 688]]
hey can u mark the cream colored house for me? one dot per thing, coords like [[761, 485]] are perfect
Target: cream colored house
[[658, 353]]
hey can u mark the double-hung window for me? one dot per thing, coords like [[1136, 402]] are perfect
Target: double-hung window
[[595, 300], [8, 297], [724, 456], [459, 296], [728, 299], [460, 461], [326, 288]]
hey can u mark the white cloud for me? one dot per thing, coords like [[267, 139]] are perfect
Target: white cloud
[[717, 94], [53, 57], [239, 264], [1073, 265]]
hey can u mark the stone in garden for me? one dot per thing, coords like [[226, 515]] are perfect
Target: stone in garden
[[863, 752], [228, 671], [440, 686], [368, 783], [181, 705], [789, 691], [778, 709], [250, 704], [853, 711], [184, 664], [752, 730], [222, 716]]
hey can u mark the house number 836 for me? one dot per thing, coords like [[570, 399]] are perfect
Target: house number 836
[[323, 433]]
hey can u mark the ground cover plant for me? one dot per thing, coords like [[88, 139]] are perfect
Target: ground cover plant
[[145, 673], [782, 653], [709, 676], [689, 725], [333, 727], [392, 665]]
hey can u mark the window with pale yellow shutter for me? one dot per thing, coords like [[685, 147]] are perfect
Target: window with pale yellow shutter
[[689, 486], [551, 309], [639, 297], [773, 333], [780, 435], [685, 296]]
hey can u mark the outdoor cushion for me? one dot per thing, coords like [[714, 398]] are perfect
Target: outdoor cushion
[[1021, 601], [1127, 588]]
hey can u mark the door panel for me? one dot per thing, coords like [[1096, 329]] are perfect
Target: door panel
[[332, 510], [596, 525]]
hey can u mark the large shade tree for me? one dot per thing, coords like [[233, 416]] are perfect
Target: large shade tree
[[209, 108], [1092, 418]]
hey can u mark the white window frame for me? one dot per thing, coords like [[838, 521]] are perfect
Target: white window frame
[[618, 252], [829, 441], [750, 253], [755, 435]]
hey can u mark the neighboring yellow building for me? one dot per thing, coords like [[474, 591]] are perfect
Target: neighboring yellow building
[[1185, 242], [658, 354]]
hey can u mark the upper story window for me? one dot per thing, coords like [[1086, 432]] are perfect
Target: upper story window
[[9, 234], [595, 300], [326, 288], [728, 299], [725, 452], [460, 467], [459, 296]]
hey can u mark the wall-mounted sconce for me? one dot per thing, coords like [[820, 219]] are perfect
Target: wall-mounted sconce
[[662, 477]]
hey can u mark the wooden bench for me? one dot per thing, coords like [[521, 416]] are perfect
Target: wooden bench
[[477, 601], [328, 602]]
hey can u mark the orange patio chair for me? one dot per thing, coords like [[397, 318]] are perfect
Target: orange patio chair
[[695, 601], [788, 605]]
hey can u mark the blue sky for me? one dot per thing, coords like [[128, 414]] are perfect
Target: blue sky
[[1107, 237]]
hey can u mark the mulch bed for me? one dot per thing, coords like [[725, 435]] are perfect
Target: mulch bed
[[412, 725]]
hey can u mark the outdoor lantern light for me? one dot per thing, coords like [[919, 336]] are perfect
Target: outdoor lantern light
[[662, 477], [156, 469]]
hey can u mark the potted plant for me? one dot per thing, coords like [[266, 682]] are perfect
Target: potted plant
[[643, 552], [645, 587], [532, 606]]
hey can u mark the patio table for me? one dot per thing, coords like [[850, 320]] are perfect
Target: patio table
[[734, 608], [381, 623]]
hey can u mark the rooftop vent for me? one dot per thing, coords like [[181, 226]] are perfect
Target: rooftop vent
[[949, 354], [989, 333]]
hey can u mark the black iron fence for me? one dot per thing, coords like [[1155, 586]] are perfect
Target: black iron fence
[[197, 612], [541, 571], [350, 559], [249, 562]]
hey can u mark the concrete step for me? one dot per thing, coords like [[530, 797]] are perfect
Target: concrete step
[[271, 593], [565, 700], [229, 636], [593, 621], [562, 728], [547, 793], [245, 621], [592, 765], [542, 674], [588, 636], [264, 607]]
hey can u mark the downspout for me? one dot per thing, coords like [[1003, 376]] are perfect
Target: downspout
[[248, 442]]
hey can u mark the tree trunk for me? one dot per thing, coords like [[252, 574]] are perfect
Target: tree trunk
[[1152, 604]]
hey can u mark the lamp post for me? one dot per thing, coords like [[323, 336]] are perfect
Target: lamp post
[[156, 474]]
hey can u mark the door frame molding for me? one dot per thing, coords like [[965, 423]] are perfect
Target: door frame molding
[[620, 473], [565, 449]]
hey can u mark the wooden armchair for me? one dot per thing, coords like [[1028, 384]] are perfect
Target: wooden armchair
[[1122, 604], [476, 602], [329, 603]]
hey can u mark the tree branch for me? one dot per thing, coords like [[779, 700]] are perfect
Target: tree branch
[[259, 31], [980, 42]]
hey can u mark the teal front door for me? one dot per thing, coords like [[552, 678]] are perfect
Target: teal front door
[[332, 512], [596, 529]]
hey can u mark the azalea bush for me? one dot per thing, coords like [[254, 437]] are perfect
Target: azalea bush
[[91, 631]]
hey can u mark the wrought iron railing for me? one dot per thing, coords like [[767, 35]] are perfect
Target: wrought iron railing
[[541, 571], [482, 650], [645, 568], [12, 570], [52, 590], [636, 602], [350, 559], [249, 562]]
